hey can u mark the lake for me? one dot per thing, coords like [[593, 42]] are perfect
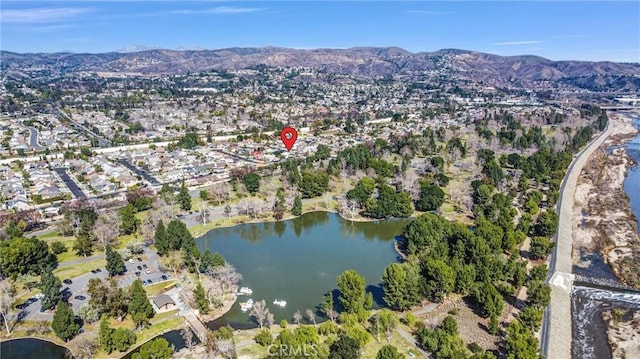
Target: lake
[[31, 348], [298, 260]]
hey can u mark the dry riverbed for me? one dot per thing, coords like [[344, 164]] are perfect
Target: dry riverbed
[[602, 218], [623, 333]]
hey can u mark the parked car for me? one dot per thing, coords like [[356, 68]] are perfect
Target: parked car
[[139, 259], [131, 260], [79, 297], [164, 277], [144, 266], [137, 274], [148, 271], [139, 268], [67, 281]]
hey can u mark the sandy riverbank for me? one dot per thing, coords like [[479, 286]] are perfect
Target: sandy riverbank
[[602, 218], [623, 335]]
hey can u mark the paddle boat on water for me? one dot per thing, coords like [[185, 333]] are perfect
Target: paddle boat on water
[[279, 302], [244, 306]]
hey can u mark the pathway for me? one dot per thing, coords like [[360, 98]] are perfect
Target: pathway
[[408, 337], [556, 327]]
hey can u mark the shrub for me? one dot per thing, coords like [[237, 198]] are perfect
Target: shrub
[[58, 247], [264, 338]]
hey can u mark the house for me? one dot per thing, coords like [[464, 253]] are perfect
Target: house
[[164, 302]]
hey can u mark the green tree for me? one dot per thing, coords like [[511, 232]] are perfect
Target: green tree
[[546, 224], [129, 222], [139, 306], [431, 197], [490, 299], [123, 339], [154, 349], [189, 140], [251, 181], [115, 263], [531, 318], [184, 198], [179, 236], [63, 323], [323, 152], [313, 185], [344, 348], [389, 352], [384, 322], [83, 245], [296, 210], [352, 291], [538, 294], [541, 247], [25, 256], [105, 334], [202, 303], [161, 239], [50, 286], [401, 284], [521, 343], [439, 279]]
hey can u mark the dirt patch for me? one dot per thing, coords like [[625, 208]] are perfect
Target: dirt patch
[[471, 326]]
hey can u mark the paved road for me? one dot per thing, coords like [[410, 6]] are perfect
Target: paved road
[[102, 142], [140, 172], [555, 338], [33, 138], [412, 340], [73, 187]]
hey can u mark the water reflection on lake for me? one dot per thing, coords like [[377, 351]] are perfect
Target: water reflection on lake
[[298, 260]]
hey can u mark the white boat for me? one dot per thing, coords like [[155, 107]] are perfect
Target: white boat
[[245, 290], [279, 302], [244, 306]]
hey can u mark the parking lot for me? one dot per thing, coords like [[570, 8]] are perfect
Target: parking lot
[[75, 289]]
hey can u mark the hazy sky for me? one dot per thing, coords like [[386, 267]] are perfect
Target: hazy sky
[[575, 30]]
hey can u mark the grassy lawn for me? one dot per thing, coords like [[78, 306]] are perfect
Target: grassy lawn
[[157, 288], [372, 348], [164, 321], [81, 268]]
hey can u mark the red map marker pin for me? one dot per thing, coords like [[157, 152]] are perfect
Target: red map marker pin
[[289, 135]]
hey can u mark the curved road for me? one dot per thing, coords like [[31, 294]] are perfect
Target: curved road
[[33, 138], [556, 335]]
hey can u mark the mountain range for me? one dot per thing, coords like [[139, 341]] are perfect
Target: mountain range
[[367, 62]]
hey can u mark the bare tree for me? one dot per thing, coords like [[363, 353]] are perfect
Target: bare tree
[[348, 207], [203, 212], [243, 206], [7, 296], [270, 320], [187, 335], [332, 314], [173, 261], [260, 312], [84, 346], [227, 349], [297, 317], [227, 211], [226, 275], [312, 316], [107, 228], [220, 192]]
